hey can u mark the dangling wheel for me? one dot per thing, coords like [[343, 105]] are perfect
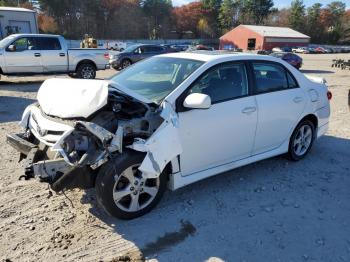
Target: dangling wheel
[[122, 189], [301, 140]]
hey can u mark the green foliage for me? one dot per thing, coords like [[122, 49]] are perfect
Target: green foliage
[[297, 15], [228, 15], [258, 10], [155, 19]]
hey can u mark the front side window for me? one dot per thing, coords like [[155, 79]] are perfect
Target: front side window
[[269, 77], [223, 82], [25, 43], [156, 77]]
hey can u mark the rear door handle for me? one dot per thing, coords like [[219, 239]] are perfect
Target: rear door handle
[[62, 54], [297, 99], [37, 54], [249, 110]]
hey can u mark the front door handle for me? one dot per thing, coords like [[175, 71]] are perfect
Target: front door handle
[[37, 54], [297, 99], [62, 54], [249, 110]]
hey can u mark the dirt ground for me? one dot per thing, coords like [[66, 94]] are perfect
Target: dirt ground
[[274, 210]]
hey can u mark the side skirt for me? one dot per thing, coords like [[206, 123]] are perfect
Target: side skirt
[[176, 180]]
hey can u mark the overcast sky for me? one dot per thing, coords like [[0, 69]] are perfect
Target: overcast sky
[[278, 3]]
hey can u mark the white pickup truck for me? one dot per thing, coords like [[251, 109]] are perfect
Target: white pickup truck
[[38, 54]]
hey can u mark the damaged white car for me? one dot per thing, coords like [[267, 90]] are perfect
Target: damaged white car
[[170, 120]]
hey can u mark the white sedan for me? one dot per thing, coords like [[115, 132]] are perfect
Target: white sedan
[[170, 120]]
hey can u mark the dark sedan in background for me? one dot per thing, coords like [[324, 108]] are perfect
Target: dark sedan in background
[[135, 53], [290, 58]]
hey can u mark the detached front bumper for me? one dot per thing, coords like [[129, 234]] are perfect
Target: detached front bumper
[[18, 142], [56, 172]]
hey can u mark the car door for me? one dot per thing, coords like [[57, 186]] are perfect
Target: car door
[[54, 58], [138, 54], [147, 51], [280, 103], [24, 58], [224, 132]]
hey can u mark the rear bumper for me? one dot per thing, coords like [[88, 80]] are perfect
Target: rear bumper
[[321, 130]]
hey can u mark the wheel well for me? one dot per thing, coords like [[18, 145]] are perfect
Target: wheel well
[[311, 118], [86, 61], [127, 59]]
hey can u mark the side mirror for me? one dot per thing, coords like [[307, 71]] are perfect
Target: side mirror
[[11, 48], [197, 101]]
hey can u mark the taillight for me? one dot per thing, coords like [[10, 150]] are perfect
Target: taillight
[[329, 95], [106, 55]]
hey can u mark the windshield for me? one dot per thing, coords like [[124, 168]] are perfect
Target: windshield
[[6, 41], [130, 49], [156, 77]]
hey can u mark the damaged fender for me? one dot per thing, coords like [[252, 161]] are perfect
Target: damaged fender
[[163, 146]]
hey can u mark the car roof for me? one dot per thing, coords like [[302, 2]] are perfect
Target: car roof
[[206, 56], [34, 35]]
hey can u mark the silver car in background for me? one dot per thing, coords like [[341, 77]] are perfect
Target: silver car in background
[[36, 54]]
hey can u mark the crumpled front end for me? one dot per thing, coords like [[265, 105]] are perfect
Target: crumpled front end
[[68, 153]]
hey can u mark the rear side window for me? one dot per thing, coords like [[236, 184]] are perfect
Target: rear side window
[[269, 77], [291, 81], [49, 43]]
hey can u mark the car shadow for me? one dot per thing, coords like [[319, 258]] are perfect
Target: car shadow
[[267, 209], [21, 86], [304, 71], [11, 108]]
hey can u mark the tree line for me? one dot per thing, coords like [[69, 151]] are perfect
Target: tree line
[[159, 19]]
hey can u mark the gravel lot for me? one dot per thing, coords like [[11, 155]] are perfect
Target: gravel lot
[[274, 210]]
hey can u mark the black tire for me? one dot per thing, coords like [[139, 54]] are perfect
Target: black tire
[[125, 63], [72, 75], [108, 178], [86, 71], [292, 151], [115, 67]]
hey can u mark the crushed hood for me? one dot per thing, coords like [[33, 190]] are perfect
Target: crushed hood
[[72, 98]]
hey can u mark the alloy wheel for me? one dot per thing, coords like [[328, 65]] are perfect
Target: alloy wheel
[[87, 72], [132, 192], [302, 140]]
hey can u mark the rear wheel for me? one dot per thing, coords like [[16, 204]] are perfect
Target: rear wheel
[[302, 140], [86, 71], [123, 191]]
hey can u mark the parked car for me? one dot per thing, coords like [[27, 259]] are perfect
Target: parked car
[[301, 50], [35, 54], [135, 53], [180, 48], [117, 46], [282, 49], [169, 120], [320, 50], [290, 58], [170, 48]]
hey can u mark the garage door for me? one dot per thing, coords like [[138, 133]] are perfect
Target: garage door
[[22, 26]]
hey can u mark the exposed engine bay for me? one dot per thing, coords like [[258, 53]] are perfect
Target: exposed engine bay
[[67, 152]]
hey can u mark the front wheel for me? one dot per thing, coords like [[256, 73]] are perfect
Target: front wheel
[[126, 63], [123, 191], [302, 140], [86, 71]]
